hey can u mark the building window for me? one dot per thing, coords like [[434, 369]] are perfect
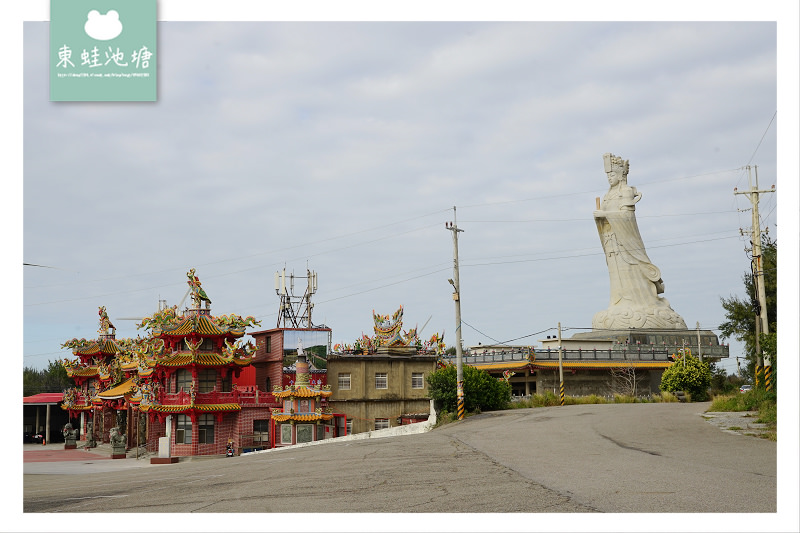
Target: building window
[[344, 381], [381, 423], [183, 380], [207, 380], [205, 428], [183, 430], [226, 383], [417, 381], [381, 381], [348, 427], [261, 431]]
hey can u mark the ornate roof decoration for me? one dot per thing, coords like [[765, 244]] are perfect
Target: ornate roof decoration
[[389, 333], [198, 294]]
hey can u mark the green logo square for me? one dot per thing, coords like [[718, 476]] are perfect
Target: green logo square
[[103, 50]]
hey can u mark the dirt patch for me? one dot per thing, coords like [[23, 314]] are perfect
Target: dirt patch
[[739, 422]]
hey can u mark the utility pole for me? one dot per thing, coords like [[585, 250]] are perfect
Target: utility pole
[[761, 322], [453, 226], [560, 366]]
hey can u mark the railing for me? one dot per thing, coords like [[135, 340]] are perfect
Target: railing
[[244, 397], [648, 353]]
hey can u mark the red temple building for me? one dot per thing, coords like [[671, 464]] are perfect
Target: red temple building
[[180, 382]]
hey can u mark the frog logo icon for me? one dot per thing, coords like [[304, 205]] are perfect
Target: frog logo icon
[[103, 27]]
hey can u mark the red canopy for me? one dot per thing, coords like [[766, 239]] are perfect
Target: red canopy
[[44, 398]]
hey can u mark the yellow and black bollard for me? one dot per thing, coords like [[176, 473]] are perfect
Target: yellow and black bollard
[[562, 393], [757, 376], [460, 399], [768, 378]]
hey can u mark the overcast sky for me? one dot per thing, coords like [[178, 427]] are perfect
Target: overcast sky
[[343, 148]]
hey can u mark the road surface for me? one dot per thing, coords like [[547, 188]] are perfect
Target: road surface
[[619, 458]]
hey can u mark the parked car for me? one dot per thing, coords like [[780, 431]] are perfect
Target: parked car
[[745, 388]]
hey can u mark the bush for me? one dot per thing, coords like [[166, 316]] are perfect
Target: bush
[[688, 374], [482, 392]]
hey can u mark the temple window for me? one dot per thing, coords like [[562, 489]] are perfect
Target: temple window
[[344, 381], [205, 425], [183, 430], [417, 381], [305, 433], [226, 383], [207, 380], [286, 433], [381, 423], [183, 380], [381, 380]]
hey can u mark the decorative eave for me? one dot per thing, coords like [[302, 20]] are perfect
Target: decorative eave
[[301, 392], [304, 417], [201, 408]]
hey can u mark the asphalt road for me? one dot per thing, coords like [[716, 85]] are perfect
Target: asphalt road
[[626, 458]]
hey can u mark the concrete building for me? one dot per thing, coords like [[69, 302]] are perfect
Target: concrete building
[[383, 389]]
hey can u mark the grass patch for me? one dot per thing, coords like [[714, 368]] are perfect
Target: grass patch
[[765, 403]]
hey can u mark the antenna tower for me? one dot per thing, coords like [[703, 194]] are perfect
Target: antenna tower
[[295, 311]]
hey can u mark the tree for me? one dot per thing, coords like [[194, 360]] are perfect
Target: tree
[[52, 379], [481, 391], [741, 312], [687, 373]]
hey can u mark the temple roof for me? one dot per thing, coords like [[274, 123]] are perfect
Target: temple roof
[[118, 391], [202, 324], [95, 347], [202, 359]]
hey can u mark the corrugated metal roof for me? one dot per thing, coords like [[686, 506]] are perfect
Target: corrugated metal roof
[[44, 398]]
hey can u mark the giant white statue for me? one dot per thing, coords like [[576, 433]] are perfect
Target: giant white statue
[[635, 282]]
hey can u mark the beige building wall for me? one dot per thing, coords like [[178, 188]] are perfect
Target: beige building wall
[[363, 402]]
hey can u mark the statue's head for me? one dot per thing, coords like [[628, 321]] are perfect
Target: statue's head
[[616, 168]]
